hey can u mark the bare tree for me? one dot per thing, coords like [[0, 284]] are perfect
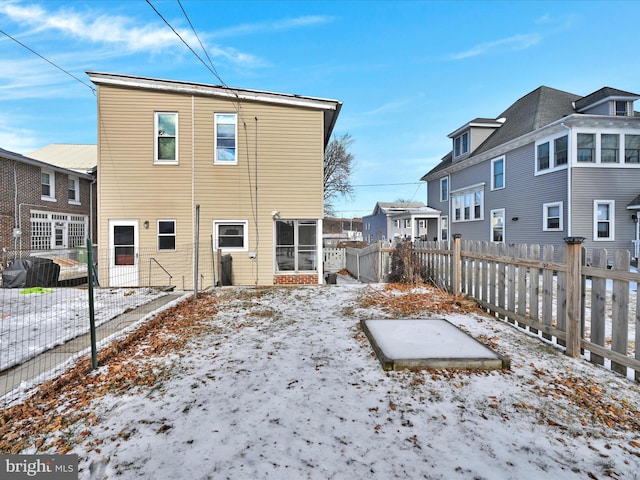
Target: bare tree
[[338, 164]]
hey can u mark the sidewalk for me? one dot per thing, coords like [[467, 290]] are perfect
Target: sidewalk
[[51, 359]]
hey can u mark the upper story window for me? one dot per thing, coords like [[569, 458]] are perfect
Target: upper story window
[[620, 108], [560, 150], [610, 146], [543, 156], [166, 136], [48, 185], [497, 173], [166, 235], [586, 147], [226, 135], [552, 154], [461, 144], [632, 148], [74, 190], [444, 189], [468, 204]]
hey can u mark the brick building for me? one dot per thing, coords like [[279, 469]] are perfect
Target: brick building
[[43, 206]]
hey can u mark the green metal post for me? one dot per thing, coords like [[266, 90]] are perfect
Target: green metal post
[[92, 317]]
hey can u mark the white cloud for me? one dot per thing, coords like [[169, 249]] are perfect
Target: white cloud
[[272, 26], [18, 140], [514, 43]]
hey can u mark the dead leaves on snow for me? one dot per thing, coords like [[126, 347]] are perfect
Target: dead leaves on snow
[[44, 420]]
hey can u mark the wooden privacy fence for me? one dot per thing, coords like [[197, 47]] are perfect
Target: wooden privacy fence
[[550, 292], [369, 264]]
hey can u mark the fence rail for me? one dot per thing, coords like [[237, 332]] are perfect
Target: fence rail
[[369, 264], [550, 292]]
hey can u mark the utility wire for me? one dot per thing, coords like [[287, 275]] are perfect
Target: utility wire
[[201, 45], [49, 61], [183, 41]]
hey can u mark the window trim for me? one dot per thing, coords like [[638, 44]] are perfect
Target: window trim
[[612, 223], [444, 228], [556, 151], [297, 222], [76, 182], [52, 185], [618, 150], [546, 217], [156, 136], [458, 198], [504, 225], [637, 150], [493, 174], [551, 141], [461, 146], [174, 235], [245, 236], [216, 160], [594, 149], [444, 192]]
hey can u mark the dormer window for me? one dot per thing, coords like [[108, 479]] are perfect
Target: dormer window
[[621, 108], [461, 144]]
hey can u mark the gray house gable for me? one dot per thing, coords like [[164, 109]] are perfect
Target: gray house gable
[[586, 184]]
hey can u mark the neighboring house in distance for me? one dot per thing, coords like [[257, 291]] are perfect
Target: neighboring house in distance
[[81, 158], [42, 206], [337, 230], [247, 163], [552, 165], [401, 220]]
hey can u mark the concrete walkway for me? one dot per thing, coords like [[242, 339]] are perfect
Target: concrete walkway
[[52, 359]]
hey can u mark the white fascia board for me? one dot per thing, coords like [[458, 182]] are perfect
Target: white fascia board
[[211, 90]]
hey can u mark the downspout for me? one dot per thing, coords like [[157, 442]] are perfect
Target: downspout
[[569, 178]]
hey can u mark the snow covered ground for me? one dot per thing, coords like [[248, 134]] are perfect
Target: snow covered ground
[[282, 383], [31, 323]]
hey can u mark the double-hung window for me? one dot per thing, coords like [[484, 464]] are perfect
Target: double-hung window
[[231, 235], [543, 156], [48, 185], [552, 217], [603, 220], [166, 234], [74, 190], [461, 144], [560, 150], [620, 108], [497, 173], [632, 148], [468, 204], [586, 147], [296, 245], [444, 189], [610, 146], [166, 137], [226, 138]]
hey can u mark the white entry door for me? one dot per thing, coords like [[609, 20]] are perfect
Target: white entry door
[[123, 253]]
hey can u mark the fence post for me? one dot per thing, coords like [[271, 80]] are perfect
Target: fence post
[[92, 316], [574, 295], [456, 264]]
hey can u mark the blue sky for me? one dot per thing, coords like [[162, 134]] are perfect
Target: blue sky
[[408, 73]]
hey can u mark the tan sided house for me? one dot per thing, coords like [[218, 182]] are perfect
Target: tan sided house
[[188, 170]]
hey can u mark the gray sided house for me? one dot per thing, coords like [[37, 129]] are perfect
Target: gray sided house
[[552, 165], [391, 221]]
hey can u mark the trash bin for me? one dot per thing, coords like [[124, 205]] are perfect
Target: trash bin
[[81, 254], [31, 272], [226, 270], [332, 278]]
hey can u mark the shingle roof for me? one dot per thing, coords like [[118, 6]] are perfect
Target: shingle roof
[[601, 94]]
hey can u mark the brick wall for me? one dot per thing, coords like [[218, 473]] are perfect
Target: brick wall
[[29, 195], [295, 279]]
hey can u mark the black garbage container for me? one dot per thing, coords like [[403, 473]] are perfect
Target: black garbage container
[[31, 272], [332, 278]]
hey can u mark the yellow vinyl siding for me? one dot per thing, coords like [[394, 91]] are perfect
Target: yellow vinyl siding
[[289, 171]]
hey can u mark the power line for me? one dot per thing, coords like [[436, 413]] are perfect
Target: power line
[[388, 184], [93, 90], [183, 41]]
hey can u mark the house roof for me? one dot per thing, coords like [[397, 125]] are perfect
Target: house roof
[[81, 158], [603, 93], [330, 107], [387, 207], [6, 154], [634, 204]]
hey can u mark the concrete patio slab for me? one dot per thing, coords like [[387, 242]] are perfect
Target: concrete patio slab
[[422, 344]]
